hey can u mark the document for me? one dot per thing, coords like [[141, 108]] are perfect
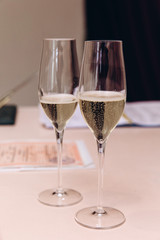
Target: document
[[29, 155]]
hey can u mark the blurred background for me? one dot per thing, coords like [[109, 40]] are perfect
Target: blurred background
[[24, 24]]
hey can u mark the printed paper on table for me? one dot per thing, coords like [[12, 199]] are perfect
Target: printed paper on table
[[28, 155]]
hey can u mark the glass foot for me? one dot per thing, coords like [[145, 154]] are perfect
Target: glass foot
[[59, 198], [105, 218]]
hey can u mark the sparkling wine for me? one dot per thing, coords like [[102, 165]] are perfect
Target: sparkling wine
[[59, 108], [102, 111]]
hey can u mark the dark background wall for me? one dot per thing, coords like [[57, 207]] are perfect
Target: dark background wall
[[137, 24]]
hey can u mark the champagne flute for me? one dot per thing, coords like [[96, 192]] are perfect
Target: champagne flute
[[102, 96], [58, 84]]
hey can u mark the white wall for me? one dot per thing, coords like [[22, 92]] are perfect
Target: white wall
[[23, 25]]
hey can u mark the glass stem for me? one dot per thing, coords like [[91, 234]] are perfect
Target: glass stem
[[59, 139], [101, 154]]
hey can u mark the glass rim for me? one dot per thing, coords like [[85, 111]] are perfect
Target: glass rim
[[58, 39], [104, 40]]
